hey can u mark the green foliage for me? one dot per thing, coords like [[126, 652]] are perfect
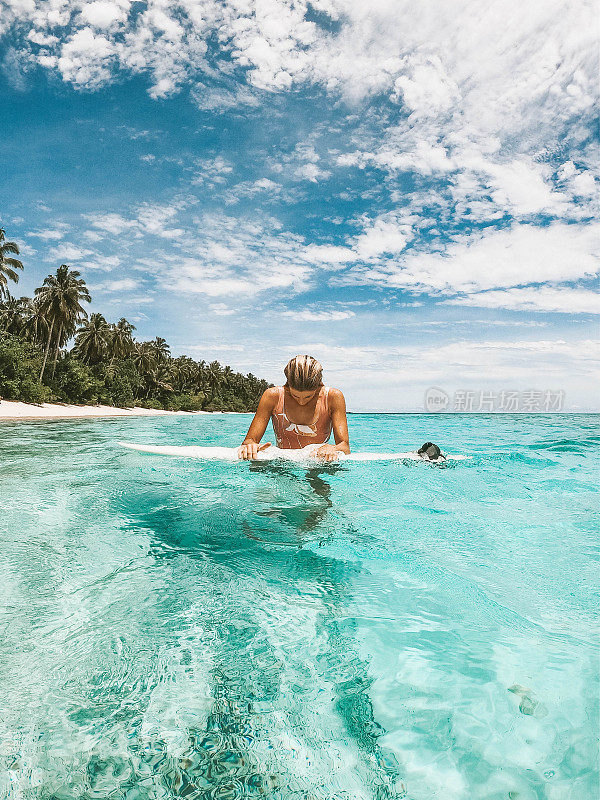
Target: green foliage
[[191, 402], [122, 382], [20, 363], [74, 382], [105, 363], [151, 404], [185, 402]]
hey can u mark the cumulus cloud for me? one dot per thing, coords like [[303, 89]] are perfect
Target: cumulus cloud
[[241, 256], [86, 59], [222, 309], [426, 88], [432, 63], [311, 172], [118, 285], [223, 99], [302, 164], [104, 13], [263, 187], [563, 299], [50, 234], [515, 256], [67, 252], [211, 171], [487, 110], [331, 255], [308, 315], [110, 222], [153, 219], [386, 234]]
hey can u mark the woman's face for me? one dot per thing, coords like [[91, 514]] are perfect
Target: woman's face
[[302, 398]]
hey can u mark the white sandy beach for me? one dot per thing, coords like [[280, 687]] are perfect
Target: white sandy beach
[[14, 411]]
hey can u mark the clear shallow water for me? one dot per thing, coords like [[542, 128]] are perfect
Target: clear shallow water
[[171, 628]]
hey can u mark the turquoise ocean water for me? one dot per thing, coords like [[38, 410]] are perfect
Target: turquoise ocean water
[[177, 629]]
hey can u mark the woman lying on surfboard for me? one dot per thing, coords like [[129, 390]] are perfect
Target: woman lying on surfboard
[[303, 412]]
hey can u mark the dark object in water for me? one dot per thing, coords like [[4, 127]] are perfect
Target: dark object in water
[[431, 452]]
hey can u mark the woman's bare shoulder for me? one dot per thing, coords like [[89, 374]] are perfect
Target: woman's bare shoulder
[[271, 394], [336, 395]]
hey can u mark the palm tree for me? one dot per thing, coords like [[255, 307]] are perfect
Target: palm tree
[[161, 349], [158, 380], [37, 326], [143, 357], [92, 339], [8, 265], [59, 300], [185, 374], [14, 314], [214, 378], [121, 339], [227, 376]]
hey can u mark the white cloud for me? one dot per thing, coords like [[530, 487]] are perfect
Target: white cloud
[[50, 234], [222, 310], [543, 298], [386, 234], [311, 172], [307, 315], [262, 186], [93, 236], [212, 170], [426, 88], [520, 188], [585, 185], [110, 223], [86, 58], [67, 252], [222, 99], [266, 184], [302, 163], [103, 13], [514, 256], [120, 285], [41, 38], [451, 61], [230, 255], [153, 219], [490, 90], [333, 255], [102, 263], [427, 158]]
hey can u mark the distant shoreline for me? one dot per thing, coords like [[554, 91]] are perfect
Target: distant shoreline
[[11, 410]]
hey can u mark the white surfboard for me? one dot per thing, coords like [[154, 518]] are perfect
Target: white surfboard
[[304, 455]]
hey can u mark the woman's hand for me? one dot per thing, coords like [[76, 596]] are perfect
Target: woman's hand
[[248, 450], [327, 452]]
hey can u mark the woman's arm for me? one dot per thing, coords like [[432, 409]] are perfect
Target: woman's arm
[[258, 426], [337, 411]]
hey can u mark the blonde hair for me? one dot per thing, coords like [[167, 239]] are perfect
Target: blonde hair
[[304, 373]]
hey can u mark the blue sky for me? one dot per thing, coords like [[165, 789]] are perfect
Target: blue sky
[[407, 192]]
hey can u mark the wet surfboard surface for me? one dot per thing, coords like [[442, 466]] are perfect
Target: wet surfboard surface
[[306, 454]]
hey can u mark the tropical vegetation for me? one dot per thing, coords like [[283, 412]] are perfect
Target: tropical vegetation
[[52, 350]]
